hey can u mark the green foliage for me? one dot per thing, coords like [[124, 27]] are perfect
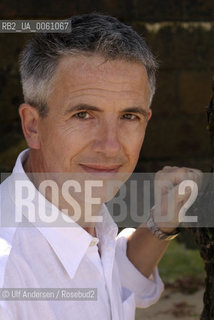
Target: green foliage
[[179, 262]]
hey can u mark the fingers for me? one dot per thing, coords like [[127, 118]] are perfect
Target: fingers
[[173, 188], [175, 175]]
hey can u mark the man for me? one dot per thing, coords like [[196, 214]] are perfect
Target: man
[[87, 104]]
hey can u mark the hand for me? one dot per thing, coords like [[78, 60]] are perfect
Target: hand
[[168, 197]]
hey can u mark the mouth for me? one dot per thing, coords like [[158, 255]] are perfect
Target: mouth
[[100, 169]]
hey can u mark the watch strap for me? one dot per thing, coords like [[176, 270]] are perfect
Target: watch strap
[[158, 233]]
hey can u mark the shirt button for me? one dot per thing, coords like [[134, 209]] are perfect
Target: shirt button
[[93, 242]]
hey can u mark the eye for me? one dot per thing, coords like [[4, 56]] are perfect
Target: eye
[[130, 116], [82, 115]]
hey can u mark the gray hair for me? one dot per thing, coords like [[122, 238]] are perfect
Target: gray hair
[[90, 34]]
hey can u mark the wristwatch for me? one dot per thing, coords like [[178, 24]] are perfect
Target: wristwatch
[[158, 233]]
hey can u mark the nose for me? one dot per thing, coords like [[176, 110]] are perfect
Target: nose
[[107, 140]]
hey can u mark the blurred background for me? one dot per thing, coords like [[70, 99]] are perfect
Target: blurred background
[[181, 36]]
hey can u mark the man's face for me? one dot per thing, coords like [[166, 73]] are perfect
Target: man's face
[[98, 112]]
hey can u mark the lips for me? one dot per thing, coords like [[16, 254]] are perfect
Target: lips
[[101, 168], [104, 170]]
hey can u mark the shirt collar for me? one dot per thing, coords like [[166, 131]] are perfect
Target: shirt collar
[[18, 168], [70, 243]]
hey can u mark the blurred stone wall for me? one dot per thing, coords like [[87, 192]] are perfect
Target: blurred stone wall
[[181, 35]]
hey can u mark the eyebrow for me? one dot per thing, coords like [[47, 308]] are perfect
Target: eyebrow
[[88, 107], [83, 106], [138, 110]]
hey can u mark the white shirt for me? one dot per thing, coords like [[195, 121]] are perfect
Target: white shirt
[[32, 256]]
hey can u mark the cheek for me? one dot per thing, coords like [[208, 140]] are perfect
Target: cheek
[[135, 140], [71, 140], [75, 129], [136, 148], [61, 135]]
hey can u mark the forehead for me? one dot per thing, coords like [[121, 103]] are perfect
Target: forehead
[[79, 75]]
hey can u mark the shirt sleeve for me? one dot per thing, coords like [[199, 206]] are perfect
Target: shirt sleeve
[[146, 290]]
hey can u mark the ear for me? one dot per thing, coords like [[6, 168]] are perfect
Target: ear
[[149, 114], [29, 118]]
